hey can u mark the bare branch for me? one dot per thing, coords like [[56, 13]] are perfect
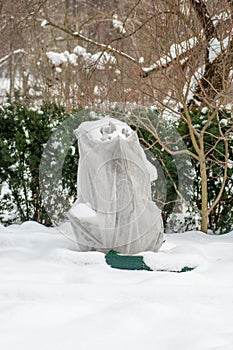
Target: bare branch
[[103, 47], [181, 49], [15, 52], [151, 128]]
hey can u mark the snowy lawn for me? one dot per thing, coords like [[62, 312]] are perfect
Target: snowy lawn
[[55, 298]]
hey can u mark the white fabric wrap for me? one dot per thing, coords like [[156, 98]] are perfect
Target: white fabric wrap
[[114, 209]]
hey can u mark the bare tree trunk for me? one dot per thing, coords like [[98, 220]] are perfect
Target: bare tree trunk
[[204, 197], [74, 8], [12, 76], [1, 5]]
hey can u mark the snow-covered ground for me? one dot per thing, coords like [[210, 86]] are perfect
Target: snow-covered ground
[[53, 297]]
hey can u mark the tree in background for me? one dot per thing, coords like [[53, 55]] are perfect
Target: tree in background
[[193, 44], [218, 146], [19, 33]]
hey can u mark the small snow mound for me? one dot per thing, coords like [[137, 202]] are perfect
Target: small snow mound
[[2, 228], [67, 256], [173, 260], [33, 226]]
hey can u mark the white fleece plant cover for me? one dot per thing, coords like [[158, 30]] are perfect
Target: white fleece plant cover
[[114, 209]]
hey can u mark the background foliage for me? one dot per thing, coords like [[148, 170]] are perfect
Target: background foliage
[[23, 135]]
